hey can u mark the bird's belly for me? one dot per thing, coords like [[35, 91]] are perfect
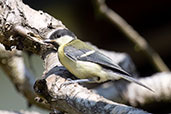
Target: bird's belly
[[87, 69], [82, 69]]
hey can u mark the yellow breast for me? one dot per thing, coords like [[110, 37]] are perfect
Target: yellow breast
[[81, 69]]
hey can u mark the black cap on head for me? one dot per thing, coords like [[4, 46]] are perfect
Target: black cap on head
[[62, 32]]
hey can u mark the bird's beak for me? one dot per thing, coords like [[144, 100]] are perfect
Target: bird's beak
[[53, 42], [48, 41]]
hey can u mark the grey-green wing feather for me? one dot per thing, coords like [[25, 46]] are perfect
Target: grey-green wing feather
[[96, 57]]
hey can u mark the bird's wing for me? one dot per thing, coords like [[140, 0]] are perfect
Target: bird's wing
[[91, 55]]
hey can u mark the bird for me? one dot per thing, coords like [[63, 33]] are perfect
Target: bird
[[84, 61]]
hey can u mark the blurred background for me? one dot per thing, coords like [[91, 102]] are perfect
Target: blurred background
[[152, 19]]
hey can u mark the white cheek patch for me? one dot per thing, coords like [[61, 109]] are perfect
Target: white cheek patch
[[52, 31], [88, 53], [64, 40]]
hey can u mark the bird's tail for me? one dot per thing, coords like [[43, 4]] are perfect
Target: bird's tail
[[131, 79]]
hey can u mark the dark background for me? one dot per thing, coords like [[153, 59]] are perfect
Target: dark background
[[152, 19]]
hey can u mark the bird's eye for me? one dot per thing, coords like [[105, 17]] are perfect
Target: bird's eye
[[98, 78], [58, 35]]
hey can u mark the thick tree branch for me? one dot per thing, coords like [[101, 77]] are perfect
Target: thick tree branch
[[132, 35], [160, 82], [24, 27]]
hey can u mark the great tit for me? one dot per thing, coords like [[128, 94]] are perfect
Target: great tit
[[85, 62]]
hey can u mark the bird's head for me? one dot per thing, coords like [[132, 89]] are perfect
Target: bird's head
[[60, 37]]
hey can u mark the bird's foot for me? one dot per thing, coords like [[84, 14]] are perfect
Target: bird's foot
[[89, 80]]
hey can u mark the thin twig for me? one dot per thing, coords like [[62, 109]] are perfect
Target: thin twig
[[132, 35]]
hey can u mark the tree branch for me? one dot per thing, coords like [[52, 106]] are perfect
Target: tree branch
[[132, 35], [137, 96]]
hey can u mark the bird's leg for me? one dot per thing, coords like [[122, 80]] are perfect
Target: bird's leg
[[89, 80]]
